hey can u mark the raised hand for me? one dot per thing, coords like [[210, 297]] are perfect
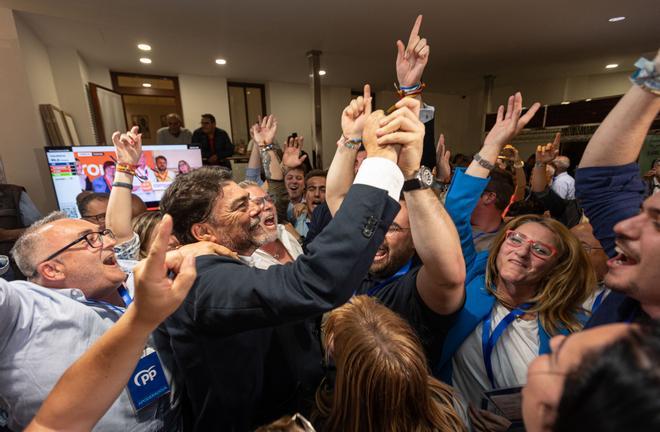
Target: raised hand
[[355, 115], [547, 153], [291, 157], [264, 130], [412, 59], [442, 165], [157, 296], [509, 123], [128, 146], [403, 128]]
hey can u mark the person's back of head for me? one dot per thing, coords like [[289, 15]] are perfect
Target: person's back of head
[[562, 164], [615, 389], [502, 185], [382, 378]]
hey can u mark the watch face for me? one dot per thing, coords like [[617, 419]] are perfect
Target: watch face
[[425, 176]]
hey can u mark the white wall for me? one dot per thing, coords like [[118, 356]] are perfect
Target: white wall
[[69, 73], [204, 94], [22, 135], [39, 72], [291, 104]]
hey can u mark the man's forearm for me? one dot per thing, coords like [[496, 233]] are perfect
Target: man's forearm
[[619, 139], [437, 243], [90, 386], [340, 177], [119, 212]]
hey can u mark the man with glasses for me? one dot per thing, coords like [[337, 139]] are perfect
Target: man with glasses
[[279, 245], [74, 293]]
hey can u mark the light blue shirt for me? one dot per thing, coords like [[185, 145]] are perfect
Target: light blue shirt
[[43, 332], [564, 186]]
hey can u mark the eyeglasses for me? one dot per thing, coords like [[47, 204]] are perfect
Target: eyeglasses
[[94, 240], [539, 249], [588, 248], [95, 219], [395, 229], [261, 201]]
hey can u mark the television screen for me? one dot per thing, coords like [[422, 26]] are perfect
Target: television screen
[[77, 169]]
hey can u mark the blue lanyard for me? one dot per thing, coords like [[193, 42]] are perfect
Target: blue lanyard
[[125, 296], [597, 301], [402, 271], [489, 341]]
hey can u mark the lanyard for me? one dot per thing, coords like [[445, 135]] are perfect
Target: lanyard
[[597, 301], [126, 297], [489, 341], [402, 271]]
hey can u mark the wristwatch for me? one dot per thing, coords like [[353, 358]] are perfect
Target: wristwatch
[[422, 179]]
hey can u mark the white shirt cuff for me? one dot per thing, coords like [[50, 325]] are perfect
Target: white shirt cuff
[[381, 173]]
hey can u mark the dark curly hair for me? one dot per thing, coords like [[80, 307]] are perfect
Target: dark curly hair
[[617, 388], [191, 197]]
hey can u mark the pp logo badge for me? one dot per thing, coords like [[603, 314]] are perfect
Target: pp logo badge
[[144, 376]]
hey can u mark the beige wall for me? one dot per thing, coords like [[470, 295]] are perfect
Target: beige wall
[[204, 94], [22, 138]]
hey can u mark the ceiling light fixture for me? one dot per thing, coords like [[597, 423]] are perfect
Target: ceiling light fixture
[[220, 61], [616, 19], [588, 100], [144, 47], [146, 85], [322, 72], [611, 66], [565, 102], [145, 60]]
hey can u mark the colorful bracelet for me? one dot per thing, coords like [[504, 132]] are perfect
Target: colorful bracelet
[[410, 91], [350, 143], [127, 168], [646, 76], [123, 185]]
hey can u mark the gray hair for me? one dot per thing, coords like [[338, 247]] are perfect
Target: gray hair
[[247, 183], [562, 163], [25, 250]]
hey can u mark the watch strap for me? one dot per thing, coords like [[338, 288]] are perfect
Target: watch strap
[[483, 162]]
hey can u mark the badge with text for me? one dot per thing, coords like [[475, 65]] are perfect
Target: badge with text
[[148, 381]]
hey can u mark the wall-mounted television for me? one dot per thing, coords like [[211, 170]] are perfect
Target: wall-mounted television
[[91, 168]]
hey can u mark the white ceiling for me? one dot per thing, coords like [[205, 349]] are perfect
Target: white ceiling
[[267, 40]]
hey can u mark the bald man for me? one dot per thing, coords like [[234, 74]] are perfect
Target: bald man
[[173, 133], [563, 184]]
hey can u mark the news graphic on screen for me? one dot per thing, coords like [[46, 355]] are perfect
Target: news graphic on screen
[[77, 169]]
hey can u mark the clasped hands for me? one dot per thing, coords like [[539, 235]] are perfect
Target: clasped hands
[[398, 136]]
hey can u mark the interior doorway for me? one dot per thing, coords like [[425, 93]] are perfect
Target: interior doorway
[[148, 99]]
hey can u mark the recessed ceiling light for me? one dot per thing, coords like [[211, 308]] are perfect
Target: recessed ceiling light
[[588, 100], [145, 60], [144, 47], [611, 66], [322, 72], [146, 84], [220, 61], [616, 19], [565, 102]]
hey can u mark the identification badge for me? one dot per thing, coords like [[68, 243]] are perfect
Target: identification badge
[[148, 382]]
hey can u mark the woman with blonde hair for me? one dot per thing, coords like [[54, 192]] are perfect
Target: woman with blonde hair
[[382, 381], [529, 286]]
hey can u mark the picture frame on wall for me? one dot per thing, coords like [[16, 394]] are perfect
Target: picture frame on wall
[[60, 128], [142, 121]]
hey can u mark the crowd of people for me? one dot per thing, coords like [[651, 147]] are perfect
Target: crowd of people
[[379, 295]]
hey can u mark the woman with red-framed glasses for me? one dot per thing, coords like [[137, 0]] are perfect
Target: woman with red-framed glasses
[[528, 287]]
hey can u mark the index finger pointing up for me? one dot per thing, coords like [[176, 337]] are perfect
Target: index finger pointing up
[[415, 30]]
